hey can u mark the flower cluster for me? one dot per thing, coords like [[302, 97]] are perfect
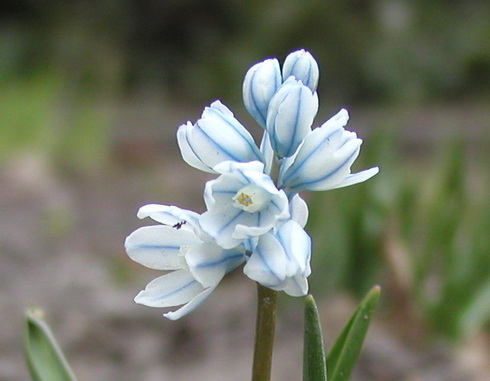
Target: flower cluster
[[254, 215]]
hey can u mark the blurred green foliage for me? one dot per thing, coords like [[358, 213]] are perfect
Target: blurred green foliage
[[387, 50], [422, 230]]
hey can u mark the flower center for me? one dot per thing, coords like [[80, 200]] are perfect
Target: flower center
[[251, 198]]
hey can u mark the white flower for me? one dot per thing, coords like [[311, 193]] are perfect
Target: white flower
[[260, 84], [242, 203], [281, 260], [249, 218], [216, 137], [324, 159], [303, 67], [180, 245], [290, 116]]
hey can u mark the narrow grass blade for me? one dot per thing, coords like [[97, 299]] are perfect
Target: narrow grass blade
[[44, 357], [343, 355], [314, 366]]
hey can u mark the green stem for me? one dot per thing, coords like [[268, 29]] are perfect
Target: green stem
[[264, 333]]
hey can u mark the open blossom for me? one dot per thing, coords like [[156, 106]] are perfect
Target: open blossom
[[281, 260], [196, 263], [242, 203], [324, 159]]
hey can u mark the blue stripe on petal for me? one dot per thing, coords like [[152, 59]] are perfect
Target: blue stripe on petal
[[232, 192], [152, 247], [213, 142], [239, 213], [145, 297], [191, 306], [293, 140], [242, 133], [176, 291], [195, 153], [258, 108], [266, 264], [221, 261], [305, 184], [298, 164]]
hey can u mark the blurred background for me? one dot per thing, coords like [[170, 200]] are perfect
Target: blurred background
[[91, 94]]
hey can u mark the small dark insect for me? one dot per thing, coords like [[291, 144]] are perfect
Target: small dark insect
[[178, 225]]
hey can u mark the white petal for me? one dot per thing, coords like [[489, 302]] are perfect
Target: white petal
[[294, 286], [303, 67], [170, 215], [297, 247], [209, 263], [157, 247], [191, 306], [220, 225], [219, 127], [281, 261], [220, 192], [335, 170], [238, 169], [291, 113], [215, 138], [260, 84], [237, 175], [172, 289], [324, 159], [186, 149], [357, 178], [267, 264], [260, 179], [298, 210], [267, 151], [243, 232]]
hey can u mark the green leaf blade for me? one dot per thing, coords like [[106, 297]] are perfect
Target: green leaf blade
[[314, 365], [44, 357], [343, 354]]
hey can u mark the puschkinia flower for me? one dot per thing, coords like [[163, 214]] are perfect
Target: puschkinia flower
[[215, 138], [324, 159], [242, 203], [259, 86], [281, 260], [290, 116], [302, 66], [254, 215], [196, 263]]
